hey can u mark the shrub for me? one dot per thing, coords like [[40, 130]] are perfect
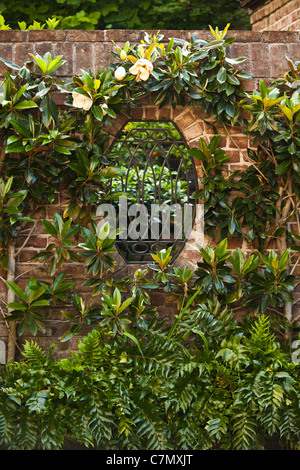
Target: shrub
[[212, 384]]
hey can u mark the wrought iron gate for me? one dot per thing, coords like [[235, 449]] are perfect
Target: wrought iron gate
[[158, 179]]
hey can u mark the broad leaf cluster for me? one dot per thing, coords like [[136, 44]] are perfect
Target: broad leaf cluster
[[232, 389], [205, 380]]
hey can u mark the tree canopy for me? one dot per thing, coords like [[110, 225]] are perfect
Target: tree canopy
[[129, 14]]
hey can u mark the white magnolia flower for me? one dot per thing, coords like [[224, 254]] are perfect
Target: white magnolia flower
[[120, 74], [142, 69], [81, 101]]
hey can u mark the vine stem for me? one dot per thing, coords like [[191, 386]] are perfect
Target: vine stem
[[282, 245], [11, 273], [28, 236], [246, 157]]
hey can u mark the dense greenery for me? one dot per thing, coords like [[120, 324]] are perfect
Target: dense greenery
[[206, 380], [228, 390], [120, 14]]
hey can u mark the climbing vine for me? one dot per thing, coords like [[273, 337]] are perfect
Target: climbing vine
[[49, 150]]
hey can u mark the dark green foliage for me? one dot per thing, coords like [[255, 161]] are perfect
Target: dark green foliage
[[229, 389], [205, 381], [145, 14]]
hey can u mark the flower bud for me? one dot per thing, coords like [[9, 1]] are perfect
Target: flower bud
[[120, 74], [123, 55]]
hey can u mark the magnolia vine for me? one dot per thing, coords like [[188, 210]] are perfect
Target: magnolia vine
[[47, 150]]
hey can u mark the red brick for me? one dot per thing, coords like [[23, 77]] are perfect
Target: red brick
[[241, 50], [278, 52], [201, 34], [85, 36], [13, 36], [185, 120], [249, 85], [6, 52], [234, 243], [47, 35], [145, 100], [83, 57], [194, 131], [223, 142], [280, 36], [59, 98], [245, 36], [31, 270], [102, 55], [22, 52], [137, 113], [263, 24], [33, 242], [66, 51], [260, 60], [234, 156], [296, 17], [26, 255], [283, 23], [51, 210], [150, 112], [238, 142], [120, 120], [124, 35], [43, 47], [238, 167], [164, 113]]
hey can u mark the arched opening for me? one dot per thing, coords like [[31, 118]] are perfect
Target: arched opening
[[153, 203]]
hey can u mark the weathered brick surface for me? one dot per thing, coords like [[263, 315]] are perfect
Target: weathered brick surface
[[265, 52], [84, 49], [276, 15]]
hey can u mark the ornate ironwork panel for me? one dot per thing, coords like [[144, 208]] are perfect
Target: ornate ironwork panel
[[157, 181]]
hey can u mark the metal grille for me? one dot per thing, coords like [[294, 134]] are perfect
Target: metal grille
[[158, 178]]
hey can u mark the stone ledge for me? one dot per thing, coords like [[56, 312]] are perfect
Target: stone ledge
[[124, 35], [281, 36], [13, 36]]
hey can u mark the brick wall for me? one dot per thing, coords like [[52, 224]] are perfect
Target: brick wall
[[91, 49], [274, 15], [266, 53]]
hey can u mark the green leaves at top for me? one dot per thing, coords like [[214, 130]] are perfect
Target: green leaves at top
[[47, 64]]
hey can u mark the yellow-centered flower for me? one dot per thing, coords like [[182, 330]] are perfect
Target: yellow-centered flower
[[142, 69]]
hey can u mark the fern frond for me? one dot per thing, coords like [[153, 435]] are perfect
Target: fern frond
[[27, 431], [150, 427], [217, 427], [53, 433], [34, 354], [244, 431], [289, 424], [7, 428], [89, 347]]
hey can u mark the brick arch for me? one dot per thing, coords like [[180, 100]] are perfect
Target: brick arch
[[190, 122]]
